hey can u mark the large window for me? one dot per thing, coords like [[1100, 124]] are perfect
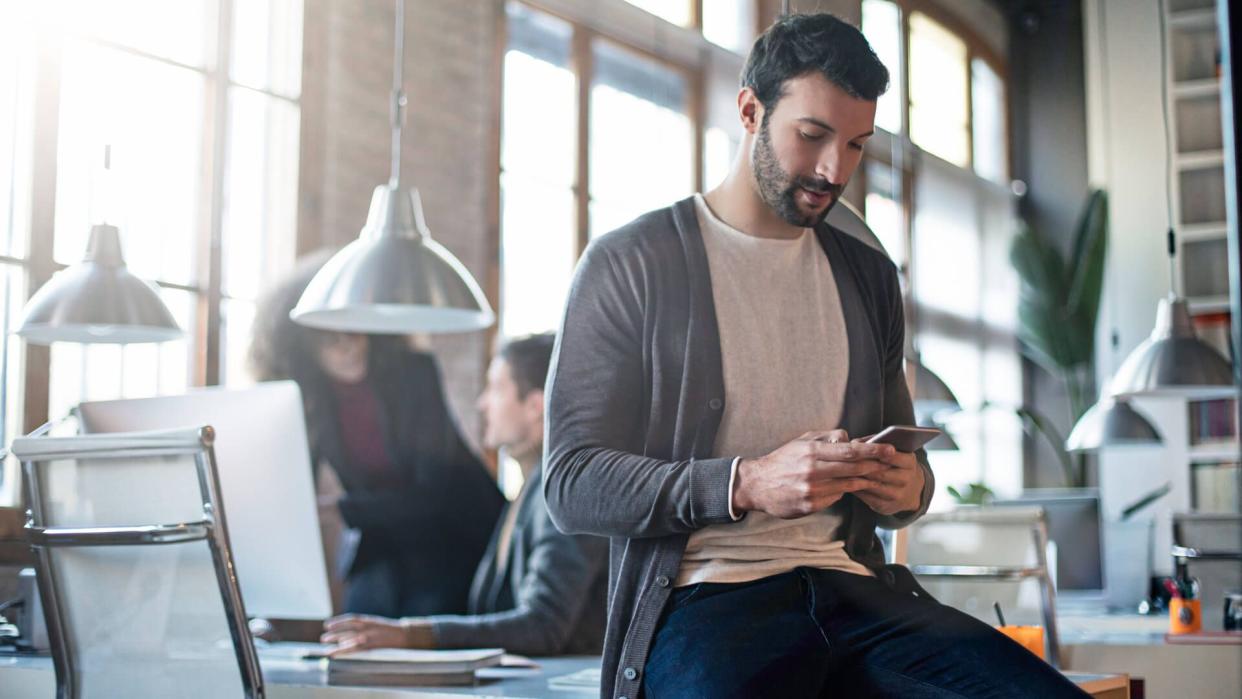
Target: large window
[[726, 23], [17, 51], [197, 104], [947, 91], [641, 136], [539, 238], [577, 163], [937, 196], [939, 83]]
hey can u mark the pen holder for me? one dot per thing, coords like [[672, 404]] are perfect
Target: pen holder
[[1185, 615], [1029, 637]]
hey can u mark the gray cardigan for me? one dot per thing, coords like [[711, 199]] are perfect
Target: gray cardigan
[[547, 600], [635, 397]]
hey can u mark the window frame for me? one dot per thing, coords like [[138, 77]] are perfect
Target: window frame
[[899, 153], [581, 63], [898, 150], [976, 47], [205, 347]]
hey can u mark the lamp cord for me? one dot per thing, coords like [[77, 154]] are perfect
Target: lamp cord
[[397, 108], [1168, 146], [1106, 97]]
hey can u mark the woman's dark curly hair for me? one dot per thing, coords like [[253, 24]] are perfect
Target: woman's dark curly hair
[[283, 349]]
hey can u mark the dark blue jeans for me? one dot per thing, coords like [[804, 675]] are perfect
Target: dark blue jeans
[[819, 633]]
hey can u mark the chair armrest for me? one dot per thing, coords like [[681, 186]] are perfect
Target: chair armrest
[[981, 572]]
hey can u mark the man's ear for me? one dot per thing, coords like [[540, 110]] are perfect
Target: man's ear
[[749, 109], [532, 404]]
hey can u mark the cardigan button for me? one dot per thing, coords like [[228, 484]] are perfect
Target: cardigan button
[[662, 580], [715, 403], [630, 673]]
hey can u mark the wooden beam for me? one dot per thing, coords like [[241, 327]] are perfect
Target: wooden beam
[[581, 59], [45, 127]]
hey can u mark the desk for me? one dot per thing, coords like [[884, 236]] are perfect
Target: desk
[[1093, 640], [289, 677]]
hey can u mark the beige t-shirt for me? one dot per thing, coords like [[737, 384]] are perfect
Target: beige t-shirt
[[785, 356]]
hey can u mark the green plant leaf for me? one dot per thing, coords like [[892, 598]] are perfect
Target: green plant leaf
[[1042, 312], [1086, 266], [1035, 422], [1059, 302]]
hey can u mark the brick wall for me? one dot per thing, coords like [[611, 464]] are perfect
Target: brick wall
[[450, 80]]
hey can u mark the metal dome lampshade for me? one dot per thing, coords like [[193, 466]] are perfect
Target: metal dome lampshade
[[931, 395], [1112, 422], [944, 441], [394, 279], [1173, 361], [98, 301]]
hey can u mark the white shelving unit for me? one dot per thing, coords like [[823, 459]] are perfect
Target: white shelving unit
[[1193, 75]]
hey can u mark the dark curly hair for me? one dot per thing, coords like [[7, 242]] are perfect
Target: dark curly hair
[[283, 349], [798, 44]]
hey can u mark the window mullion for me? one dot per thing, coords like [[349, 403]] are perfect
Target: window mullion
[[584, 71], [215, 145], [45, 128], [970, 109]]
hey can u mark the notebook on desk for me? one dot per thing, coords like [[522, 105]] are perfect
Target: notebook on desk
[[405, 667]]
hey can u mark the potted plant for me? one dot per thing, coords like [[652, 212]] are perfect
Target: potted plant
[[1058, 307]]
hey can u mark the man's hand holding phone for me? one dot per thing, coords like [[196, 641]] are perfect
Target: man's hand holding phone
[[898, 488], [808, 474]]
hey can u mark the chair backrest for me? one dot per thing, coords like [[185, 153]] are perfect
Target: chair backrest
[[134, 566], [973, 557]]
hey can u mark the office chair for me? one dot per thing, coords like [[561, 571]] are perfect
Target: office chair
[[134, 566], [970, 557]]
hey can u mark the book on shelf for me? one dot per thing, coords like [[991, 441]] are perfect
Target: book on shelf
[[1213, 422], [1214, 487]]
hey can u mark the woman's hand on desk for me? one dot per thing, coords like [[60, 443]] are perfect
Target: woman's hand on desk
[[351, 632]]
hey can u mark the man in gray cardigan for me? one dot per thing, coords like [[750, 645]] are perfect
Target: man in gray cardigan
[[536, 591], [715, 359]]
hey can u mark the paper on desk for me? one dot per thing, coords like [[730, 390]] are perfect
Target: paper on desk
[[583, 679], [514, 660]]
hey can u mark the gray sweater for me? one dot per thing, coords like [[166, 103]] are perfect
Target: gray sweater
[[635, 397]]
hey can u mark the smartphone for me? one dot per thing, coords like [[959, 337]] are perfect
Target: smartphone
[[904, 437]]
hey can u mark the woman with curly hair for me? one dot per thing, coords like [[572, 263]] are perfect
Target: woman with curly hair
[[421, 501]]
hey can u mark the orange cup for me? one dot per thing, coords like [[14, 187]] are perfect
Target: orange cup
[[1185, 615], [1029, 637]]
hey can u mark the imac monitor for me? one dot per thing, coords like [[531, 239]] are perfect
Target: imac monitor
[[266, 482], [1074, 524]]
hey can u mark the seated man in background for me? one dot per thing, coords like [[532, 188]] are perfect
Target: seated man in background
[[536, 591]]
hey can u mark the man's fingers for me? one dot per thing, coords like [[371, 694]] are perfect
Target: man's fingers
[[839, 486], [881, 493], [826, 470], [345, 621], [347, 646], [889, 476], [830, 436], [851, 451], [338, 637]]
